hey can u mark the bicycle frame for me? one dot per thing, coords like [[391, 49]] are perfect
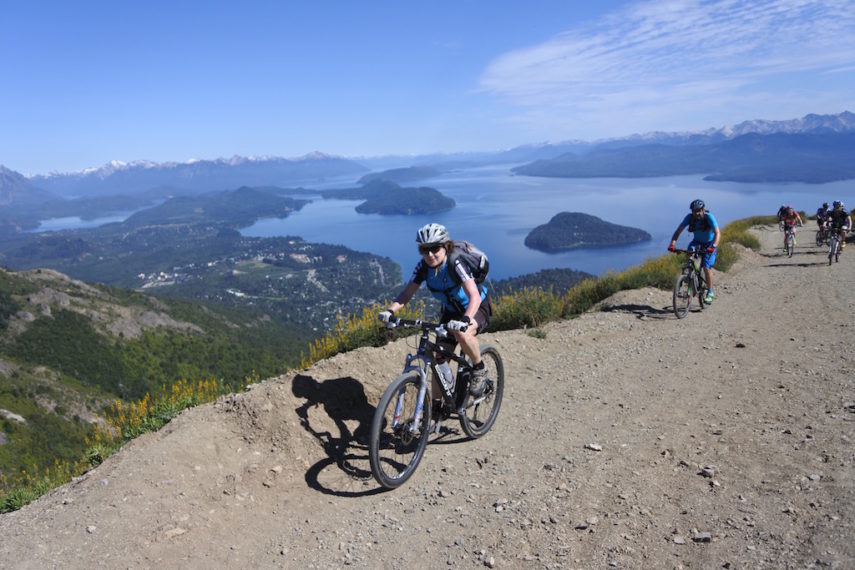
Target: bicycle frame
[[425, 359], [790, 239], [834, 239], [692, 264], [690, 284]]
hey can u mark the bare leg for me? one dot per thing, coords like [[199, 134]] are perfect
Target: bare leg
[[470, 345]]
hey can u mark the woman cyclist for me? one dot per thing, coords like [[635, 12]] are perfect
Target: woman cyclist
[[789, 219], [465, 304]]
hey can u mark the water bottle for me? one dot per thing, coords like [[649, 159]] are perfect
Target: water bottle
[[445, 375]]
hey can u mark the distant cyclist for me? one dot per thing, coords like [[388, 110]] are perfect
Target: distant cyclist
[[465, 304], [822, 215], [789, 219], [840, 221], [706, 237], [781, 211]]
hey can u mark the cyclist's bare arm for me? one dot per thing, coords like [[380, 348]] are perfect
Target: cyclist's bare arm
[[404, 296]]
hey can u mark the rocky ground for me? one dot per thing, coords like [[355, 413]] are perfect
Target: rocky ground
[[627, 439]]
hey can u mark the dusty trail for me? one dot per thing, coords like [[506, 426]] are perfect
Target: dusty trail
[[727, 441]]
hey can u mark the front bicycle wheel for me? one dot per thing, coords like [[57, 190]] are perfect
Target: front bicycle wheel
[[819, 238], [790, 244], [832, 249], [480, 413], [398, 439], [682, 296]]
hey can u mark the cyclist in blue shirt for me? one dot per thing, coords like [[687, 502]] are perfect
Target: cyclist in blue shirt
[[706, 237], [465, 304]]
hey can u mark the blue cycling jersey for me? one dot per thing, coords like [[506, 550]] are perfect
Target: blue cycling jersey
[[703, 229], [446, 284]]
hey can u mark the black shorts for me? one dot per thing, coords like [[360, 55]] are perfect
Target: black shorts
[[482, 319]]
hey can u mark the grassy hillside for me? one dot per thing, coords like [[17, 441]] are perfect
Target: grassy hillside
[[69, 349]]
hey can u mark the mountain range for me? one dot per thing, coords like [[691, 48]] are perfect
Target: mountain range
[[311, 169], [779, 157], [812, 149], [197, 175]]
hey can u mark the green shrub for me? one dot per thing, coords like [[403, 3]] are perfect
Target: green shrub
[[529, 307]]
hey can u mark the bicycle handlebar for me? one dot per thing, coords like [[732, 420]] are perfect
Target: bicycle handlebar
[[438, 328]]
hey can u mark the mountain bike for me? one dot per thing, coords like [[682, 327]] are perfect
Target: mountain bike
[[691, 283], [404, 418], [834, 245], [790, 241]]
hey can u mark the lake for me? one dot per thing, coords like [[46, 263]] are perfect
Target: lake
[[496, 210], [76, 222]]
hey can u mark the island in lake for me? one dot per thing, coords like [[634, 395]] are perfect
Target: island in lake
[[388, 198], [570, 230]]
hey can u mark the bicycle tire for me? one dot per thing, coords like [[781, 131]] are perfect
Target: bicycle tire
[[480, 413], [819, 238], [790, 244], [701, 288], [682, 296], [394, 452], [832, 249]]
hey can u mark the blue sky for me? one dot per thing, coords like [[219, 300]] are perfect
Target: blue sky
[[85, 83]]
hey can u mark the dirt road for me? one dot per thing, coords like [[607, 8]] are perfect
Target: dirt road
[[725, 441]]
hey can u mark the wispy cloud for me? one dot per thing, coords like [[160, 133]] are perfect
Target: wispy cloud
[[672, 59]]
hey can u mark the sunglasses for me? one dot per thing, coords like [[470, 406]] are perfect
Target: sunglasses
[[425, 249]]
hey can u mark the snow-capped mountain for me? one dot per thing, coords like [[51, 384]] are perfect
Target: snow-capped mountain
[[840, 123], [119, 177], [809, 124]]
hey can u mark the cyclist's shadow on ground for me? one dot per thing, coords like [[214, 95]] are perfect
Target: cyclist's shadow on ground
[[345, 471], [640, 311], [813, 253]]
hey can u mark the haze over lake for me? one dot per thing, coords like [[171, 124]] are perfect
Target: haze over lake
[[496, 210]]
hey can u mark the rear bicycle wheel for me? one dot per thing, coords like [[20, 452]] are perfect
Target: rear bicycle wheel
[[480, 413], [397, 443], [682, 296]]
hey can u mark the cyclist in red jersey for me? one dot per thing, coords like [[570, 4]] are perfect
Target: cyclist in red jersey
[[789, 219]]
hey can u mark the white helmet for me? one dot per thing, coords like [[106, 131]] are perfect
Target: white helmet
[[432, 233]]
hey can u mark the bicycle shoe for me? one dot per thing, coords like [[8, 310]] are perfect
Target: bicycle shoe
[[478, 382]]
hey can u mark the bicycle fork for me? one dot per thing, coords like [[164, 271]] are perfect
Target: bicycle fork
[[420, 399]]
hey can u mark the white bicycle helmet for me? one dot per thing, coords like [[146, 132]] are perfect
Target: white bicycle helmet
[[432, 233]]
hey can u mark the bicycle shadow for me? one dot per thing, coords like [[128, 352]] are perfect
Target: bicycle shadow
[[805, 264], [813, 253], [342, 400], [640, 311]]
